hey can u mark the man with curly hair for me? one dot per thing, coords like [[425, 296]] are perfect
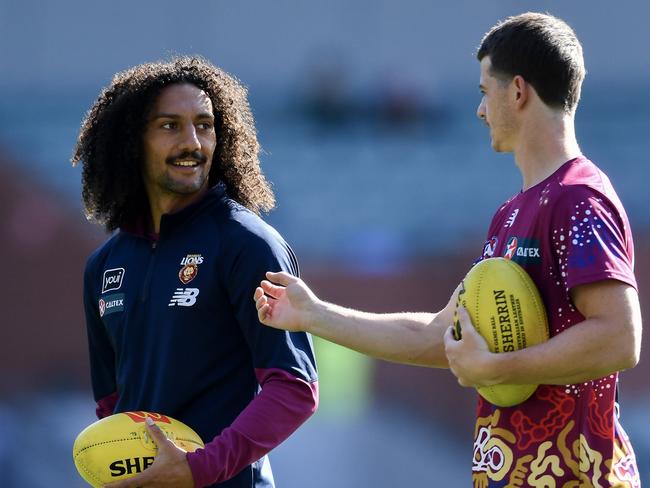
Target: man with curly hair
[[170, 160], [568, 230]]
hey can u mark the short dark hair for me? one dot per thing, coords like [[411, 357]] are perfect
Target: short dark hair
[[542, 49], [110, 143]]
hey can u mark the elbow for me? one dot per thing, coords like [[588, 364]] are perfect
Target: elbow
[[299, 396], [634, 328], [306, 400], [629, 361], [633, 357], [632, 349], [637, 328], [311, 405]]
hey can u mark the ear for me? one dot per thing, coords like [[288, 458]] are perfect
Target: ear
[[522, 90]]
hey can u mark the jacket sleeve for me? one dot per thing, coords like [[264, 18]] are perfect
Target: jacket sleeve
[[284, 367], [100, 349]]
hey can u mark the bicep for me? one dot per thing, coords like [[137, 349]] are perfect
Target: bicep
[[612, 300], [614, 305]]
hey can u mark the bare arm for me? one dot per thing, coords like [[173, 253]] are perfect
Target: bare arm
[[414, 338], [608, 340], [411, 338]]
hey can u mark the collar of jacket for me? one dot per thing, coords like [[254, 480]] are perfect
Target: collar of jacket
[[175, 219]]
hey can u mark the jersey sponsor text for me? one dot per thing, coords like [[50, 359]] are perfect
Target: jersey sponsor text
[[112, 279]]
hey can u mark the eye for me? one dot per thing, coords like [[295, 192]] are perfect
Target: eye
[[204, 125], [169, 125]]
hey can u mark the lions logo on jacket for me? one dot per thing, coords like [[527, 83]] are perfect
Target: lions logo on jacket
[[190, 268]]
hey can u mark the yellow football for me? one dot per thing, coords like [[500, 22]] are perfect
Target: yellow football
[[507, 310], [118, 447]]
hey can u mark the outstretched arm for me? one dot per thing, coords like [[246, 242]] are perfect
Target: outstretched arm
[[286, 302]]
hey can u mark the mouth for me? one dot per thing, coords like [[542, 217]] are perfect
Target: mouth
[[185, 164]]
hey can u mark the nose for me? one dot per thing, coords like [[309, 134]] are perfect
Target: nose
[[189, 139], [480, 111]]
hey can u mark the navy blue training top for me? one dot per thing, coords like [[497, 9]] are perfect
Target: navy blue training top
[[173, 329]]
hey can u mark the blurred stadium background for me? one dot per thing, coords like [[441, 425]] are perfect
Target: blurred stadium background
[[385, 181]]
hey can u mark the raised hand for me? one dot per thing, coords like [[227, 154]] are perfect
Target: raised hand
[[285, 302]]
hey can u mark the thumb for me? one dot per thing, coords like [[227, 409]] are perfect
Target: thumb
[[457, 328], [462, 322], [450, 338], [140, 479], [467, 326], [156, 432], [282, 278]]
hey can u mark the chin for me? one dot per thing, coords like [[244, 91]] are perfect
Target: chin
[[185, 187], [497, 148], [500, 147]]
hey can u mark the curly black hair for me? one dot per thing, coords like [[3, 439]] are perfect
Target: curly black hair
[[110, 140]]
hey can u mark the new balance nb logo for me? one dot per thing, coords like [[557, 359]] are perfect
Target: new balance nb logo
[[184, 297], [511, 219]]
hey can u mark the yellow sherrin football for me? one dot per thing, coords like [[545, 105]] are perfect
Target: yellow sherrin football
[[507, 310], [119, 446]]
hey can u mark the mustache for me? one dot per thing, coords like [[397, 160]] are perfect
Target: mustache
[[194, 155]]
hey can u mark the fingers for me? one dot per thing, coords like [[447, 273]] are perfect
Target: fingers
[[450, 336], [264, 313], [467, 327], [262, 305], [464, 323], [258, 293], [272, 290], [282, 278], [259, 297], [138, 481], [455, 320], [464, 315], [135, 482], [141, 479]]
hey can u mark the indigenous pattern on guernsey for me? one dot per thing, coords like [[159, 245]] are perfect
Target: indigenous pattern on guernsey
[[571, 229]]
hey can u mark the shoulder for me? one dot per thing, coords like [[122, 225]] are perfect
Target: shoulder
[[581, 182], [506, 206], [507, 210], [98, 257], [244, 232], [237, 222], [583, 172]]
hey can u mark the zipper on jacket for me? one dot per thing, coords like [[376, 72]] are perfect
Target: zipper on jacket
[[144, 295]]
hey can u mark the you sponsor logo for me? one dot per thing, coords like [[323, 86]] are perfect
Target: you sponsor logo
[[112, 279]]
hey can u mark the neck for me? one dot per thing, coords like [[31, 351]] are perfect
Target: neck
[[167, 203], [547, 142]]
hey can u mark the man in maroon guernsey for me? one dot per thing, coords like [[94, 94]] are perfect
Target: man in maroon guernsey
[[569, 231]]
